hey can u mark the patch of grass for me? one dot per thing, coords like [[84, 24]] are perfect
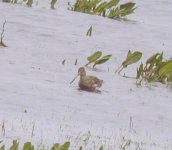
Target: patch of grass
[[125, 143], [27, 2], [29, 146], [111, 9]]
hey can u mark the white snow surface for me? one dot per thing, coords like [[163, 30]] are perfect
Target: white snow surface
[[38, 104]]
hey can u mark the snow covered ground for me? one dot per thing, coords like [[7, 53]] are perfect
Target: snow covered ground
[[38, 104]]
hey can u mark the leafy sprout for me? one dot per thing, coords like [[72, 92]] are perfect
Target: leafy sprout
[[89, 32], [97, 59], [64, 146], [93, 57], [130, 59], [53, 2], [102, 60], [2, 35], [28, 146]]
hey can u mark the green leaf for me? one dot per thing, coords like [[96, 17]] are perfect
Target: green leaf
[[127, 6], [114, 13], [152, 58], [132, 58], [28, 146], [151, 78], [55, 146], [129, 54], [14, 145], [2, 44], [112, 3], [99, 8], [63, 62], [2, 147], [159, 59], [139, 71], [126, 12], [89, 32], [166, 70], [102, 60], [29, 3], [104, 8], [53, 3], [101, 148], [93, 57], [65, 146]]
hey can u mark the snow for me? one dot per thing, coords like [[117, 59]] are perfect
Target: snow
[[38, 104]]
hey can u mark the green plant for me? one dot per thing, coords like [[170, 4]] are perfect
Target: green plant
[[89, 32], [101, 147], [149, 71], [155, 69], [130, 59], [53, 3], [14, 145], [28, 146], [2, 147], [87, 137], [28, 2], [104, 8], [2, 35], [125, 143], [122, 11], [10, 1], [7, 1], [14, 1], [95, 58], [63, 62], [102, 60], [57, 146]]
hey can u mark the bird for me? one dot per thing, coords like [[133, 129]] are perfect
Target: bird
[[88, 83]]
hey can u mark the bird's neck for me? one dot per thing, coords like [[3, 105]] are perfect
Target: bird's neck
[[82, 76]]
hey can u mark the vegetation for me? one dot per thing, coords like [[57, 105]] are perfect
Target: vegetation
[[2, 36], [29, 2], [109, 9], [130, 59], [155, 69], [96, 60], [29, 146], [89, 32], [53, 3]]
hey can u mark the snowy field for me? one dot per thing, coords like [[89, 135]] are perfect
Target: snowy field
[[38, 104]]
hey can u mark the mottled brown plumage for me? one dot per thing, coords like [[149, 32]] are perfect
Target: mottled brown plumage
[[89, 83]]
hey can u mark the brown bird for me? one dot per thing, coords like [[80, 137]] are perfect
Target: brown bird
[[89, 83]]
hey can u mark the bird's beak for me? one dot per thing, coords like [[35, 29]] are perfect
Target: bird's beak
[[74, 79]]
